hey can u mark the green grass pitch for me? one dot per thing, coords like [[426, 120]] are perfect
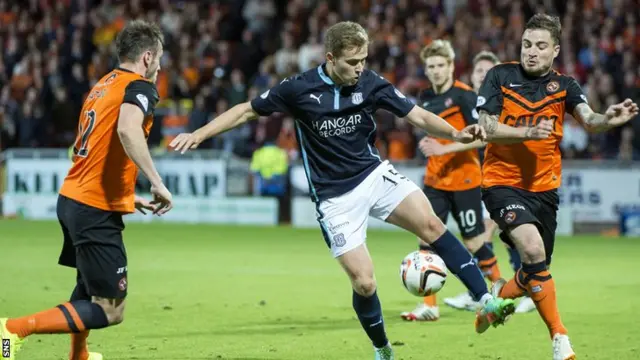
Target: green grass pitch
[[216, 292]]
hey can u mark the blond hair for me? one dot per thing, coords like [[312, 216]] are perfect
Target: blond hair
[[345, 35], [438, 48], [486, 56]]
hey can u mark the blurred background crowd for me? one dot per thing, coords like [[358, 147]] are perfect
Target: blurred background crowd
[[220, 53]]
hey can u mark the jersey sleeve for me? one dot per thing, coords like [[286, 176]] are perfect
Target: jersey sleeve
[[468, 102], [575, 96], [391, 99], [490, 94], [279, 98], [143, 94]]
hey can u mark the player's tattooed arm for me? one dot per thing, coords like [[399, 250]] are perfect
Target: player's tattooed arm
[[489, 123], [615, 115], [505, 134]]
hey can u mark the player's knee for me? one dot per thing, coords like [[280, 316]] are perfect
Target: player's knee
[[432, 228], [473, 244], [113, 309], [117, 316], [365, 286], [529, 242]]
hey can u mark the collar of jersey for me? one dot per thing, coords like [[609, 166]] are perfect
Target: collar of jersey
[[323, 75]]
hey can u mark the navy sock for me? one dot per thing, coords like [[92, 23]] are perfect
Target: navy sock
[[369, 313], [484, 253], [514, 259], [489, 245], [424, 247], [92, 315], [459, 261]]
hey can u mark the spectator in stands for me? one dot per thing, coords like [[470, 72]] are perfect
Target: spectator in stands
[[223, 50]]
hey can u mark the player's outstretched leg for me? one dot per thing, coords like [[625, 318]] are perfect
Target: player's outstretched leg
[[526, 304], [75, 317], [488, 264], [358, 265], [79, 349], [428, 309], [535, 279], [415, 214]]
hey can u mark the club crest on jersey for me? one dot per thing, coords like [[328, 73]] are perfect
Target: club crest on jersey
[[356, 98], [553, 86], [448, 102]]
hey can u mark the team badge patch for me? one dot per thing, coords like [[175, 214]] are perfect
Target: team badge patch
[[122, 285], [510, 217], [339, 240], [553, 86], [356, 98], [143, 101]]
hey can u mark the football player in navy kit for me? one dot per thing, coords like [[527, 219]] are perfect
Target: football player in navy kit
[[333, 105]]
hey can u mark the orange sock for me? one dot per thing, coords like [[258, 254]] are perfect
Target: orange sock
[[79, 350], [490, 269], [513, 289], [430, 300], [542, 290], [58, 320]]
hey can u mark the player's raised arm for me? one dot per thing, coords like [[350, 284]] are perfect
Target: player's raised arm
[[276, 99], [616, 115], [439, 127], [391, 99], [226, 121]]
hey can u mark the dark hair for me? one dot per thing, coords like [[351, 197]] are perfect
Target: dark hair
[[546, 22], [137, 37]]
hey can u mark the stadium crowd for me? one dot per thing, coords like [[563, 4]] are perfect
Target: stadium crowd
[[220, 53]]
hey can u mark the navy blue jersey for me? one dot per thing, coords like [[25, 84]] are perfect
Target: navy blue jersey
[[334, 125]]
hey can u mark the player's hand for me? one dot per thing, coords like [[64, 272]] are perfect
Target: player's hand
[[143, 204], [162, 199], [185, 141], [431, 147], [621, 113], [470, 134], [540, 131]]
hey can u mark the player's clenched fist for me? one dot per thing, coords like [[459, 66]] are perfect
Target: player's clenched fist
[[469, 134], [540, 131], [185, 141]]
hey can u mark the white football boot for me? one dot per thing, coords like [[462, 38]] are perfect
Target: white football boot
[[422, 312], [526, 305], [562, 348], [463, 301]]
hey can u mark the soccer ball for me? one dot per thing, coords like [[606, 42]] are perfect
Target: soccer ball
[[423, 273]]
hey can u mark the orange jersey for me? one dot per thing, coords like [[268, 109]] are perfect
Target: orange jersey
[[456, 171], [521, 100], [102, 175]]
